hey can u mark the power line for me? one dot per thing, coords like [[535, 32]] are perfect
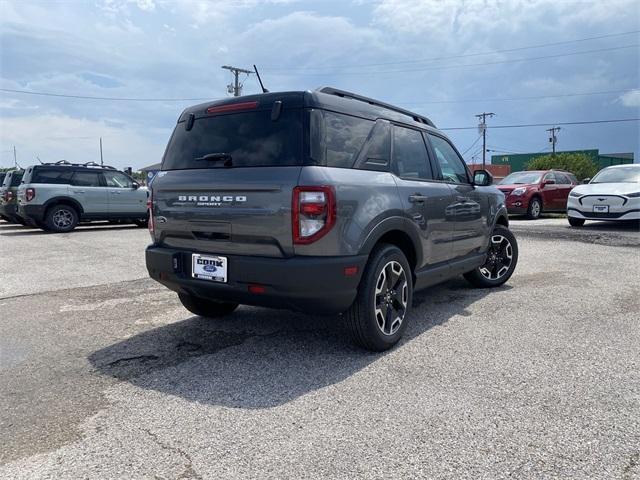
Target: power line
[[537, 97], [446, 67], [589, 122], [202, 99], [471, 146], [89, 97], [490, 52]]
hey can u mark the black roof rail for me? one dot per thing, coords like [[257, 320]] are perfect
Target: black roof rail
[[87, 164], [377, 103]]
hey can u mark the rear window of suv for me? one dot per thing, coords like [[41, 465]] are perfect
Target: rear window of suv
[[252, 139]]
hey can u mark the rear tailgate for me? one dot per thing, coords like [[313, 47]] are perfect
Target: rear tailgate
[[228, 175], [244, 211]]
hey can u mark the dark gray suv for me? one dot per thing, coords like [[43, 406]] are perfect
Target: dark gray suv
[[323, 202]]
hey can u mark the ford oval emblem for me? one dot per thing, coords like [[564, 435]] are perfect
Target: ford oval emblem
[[209, 268]]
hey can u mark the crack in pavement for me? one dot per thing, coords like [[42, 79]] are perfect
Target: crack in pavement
[[189, 472]]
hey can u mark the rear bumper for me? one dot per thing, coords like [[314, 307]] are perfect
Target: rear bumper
[[31, 214], [308, 284], [8, 209]]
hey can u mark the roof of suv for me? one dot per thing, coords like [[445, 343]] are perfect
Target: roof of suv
[[328, 98], [65, 164]]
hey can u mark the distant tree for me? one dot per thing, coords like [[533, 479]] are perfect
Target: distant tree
[[577, 163], [139, 177]]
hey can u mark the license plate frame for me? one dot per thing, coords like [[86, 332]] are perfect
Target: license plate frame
[[601, 209], [211, 268]]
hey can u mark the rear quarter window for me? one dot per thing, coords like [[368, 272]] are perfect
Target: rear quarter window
[[51, 175], [336, 139], [16, 178], [252, 139]]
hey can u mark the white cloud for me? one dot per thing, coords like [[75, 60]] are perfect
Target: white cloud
[[631, 98], [440, 18], [146, 5]]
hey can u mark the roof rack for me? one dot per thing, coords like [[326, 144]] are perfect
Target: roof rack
[[87, 164], [377, 103]]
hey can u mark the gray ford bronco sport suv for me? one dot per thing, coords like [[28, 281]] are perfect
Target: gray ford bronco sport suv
[[323, 202]]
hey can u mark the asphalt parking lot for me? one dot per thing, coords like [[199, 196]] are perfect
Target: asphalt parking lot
[[105, 375]]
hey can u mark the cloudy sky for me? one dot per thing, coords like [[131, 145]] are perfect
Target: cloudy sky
[[542, 61]]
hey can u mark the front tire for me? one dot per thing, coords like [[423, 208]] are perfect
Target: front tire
[[502, 257], [535, 209], [576, 222], [61, 219], [206, 308], [377, 318]]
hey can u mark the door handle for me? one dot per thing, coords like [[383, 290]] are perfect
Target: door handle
[[78, 191], [417, 198], [115, 193]]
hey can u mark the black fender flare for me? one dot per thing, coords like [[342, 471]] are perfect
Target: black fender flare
[[61, 199], [390, 224], [501, 214]]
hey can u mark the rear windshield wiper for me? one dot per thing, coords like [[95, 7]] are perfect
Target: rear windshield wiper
[[215, 157]]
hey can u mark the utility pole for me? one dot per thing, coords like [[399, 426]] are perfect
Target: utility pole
[[236, 86], [15, 159], [482, 128], [101, 160], [552, 138]]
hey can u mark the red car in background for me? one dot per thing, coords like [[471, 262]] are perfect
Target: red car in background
[[536, 191]]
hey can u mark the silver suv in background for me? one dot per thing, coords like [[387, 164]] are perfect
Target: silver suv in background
[[57, 196], [8, 194]]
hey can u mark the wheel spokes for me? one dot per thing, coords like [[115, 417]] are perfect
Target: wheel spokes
[[391, 297]]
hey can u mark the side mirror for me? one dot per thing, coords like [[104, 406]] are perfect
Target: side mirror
[[548, 182], [482, 178], [135, 185], [586, 180]]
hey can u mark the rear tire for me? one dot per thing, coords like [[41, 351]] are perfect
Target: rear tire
[[206, 308], [535, 209], [576, 222], [378, 317], [502, 258], [61, 219]]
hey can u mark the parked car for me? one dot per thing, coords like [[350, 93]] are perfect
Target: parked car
[[323, 202], [8, 196], [613, 194], [57, 196], [536, 191]]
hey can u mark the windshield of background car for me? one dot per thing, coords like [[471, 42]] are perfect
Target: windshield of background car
[[251, 139], [521, 177], [618, 175]]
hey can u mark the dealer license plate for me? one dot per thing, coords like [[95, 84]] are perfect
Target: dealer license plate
[[209, 267], [601, 209]]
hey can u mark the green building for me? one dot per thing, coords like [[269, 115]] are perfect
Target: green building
[[518, 161]]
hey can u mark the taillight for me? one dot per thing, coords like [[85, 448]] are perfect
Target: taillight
[[150, 222], [313, 213], [30, 194], [8, 196]]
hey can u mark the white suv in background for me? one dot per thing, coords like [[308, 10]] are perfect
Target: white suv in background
[[613, 194]]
